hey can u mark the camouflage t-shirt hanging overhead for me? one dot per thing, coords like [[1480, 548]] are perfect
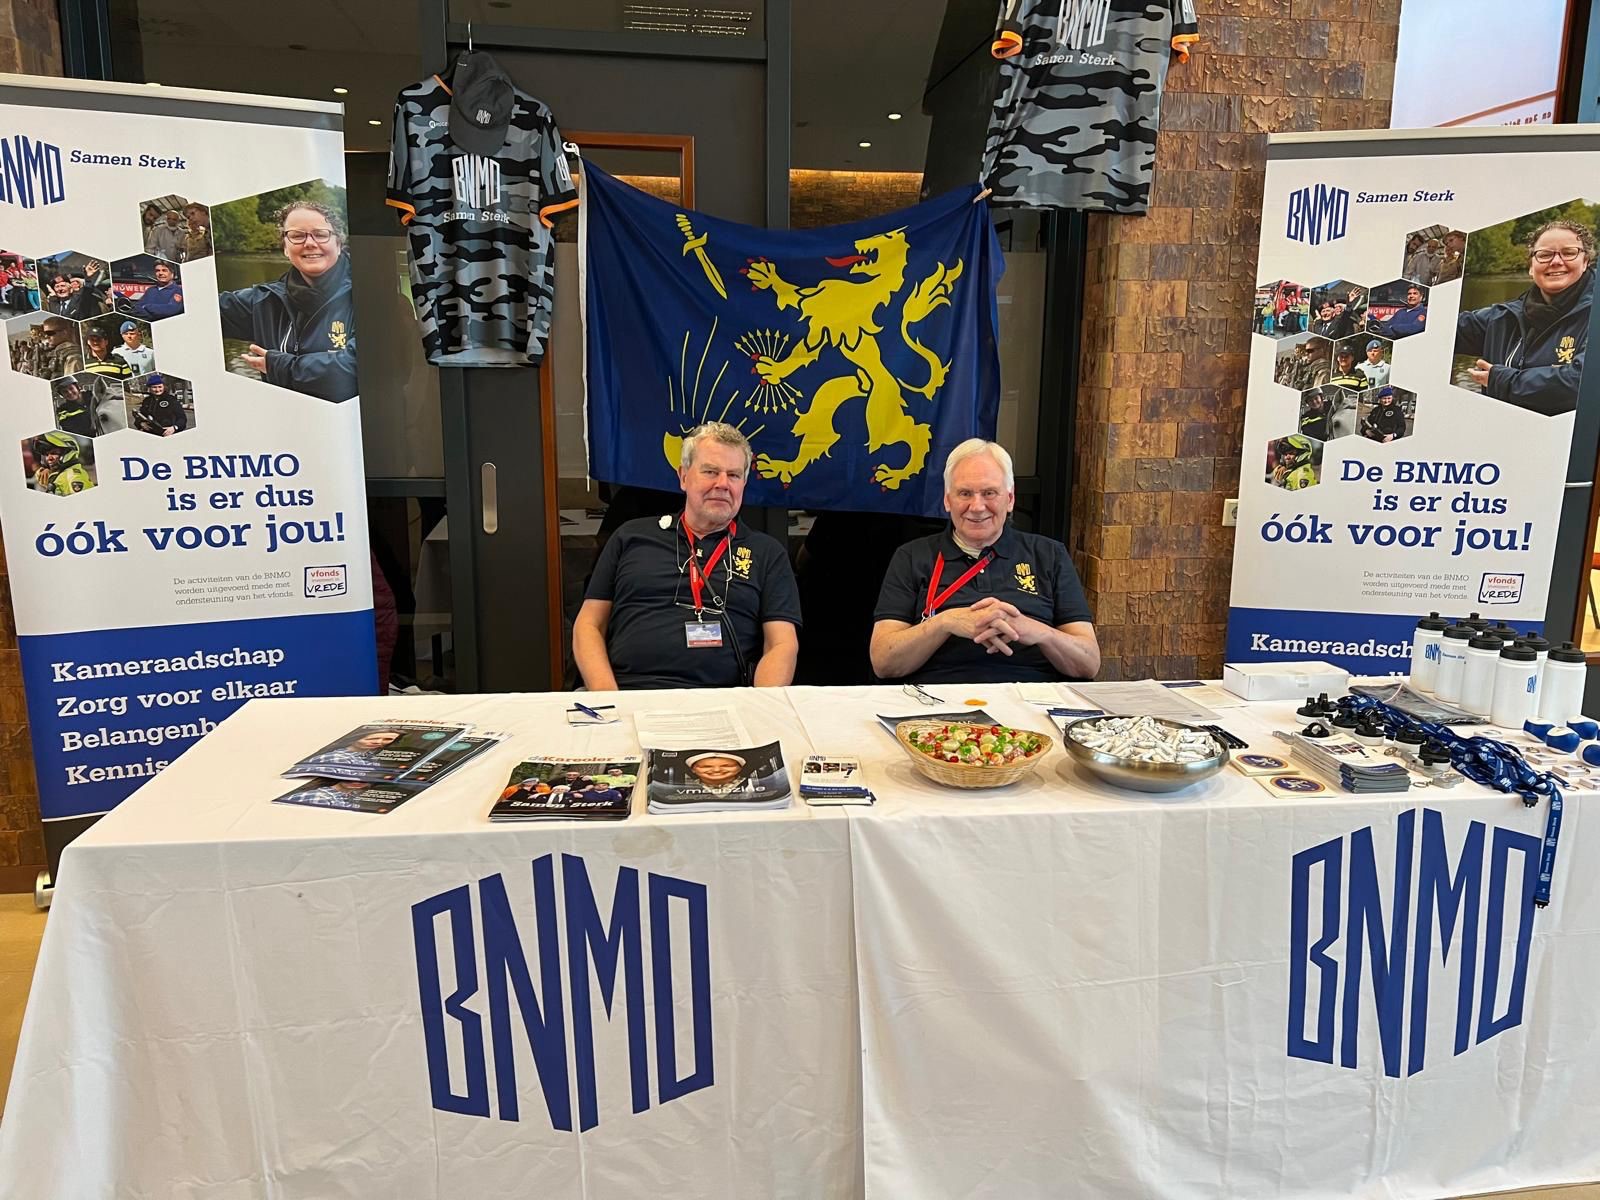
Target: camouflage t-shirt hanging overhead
[[476, 199], [1079, 100]]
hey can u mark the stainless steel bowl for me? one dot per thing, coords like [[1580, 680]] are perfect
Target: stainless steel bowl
[[1143, 776]]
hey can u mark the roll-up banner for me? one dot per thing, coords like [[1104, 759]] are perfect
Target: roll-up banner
[[1421, 312], [184, 511]]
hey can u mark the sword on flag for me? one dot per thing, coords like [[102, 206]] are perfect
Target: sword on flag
[[698, 245]]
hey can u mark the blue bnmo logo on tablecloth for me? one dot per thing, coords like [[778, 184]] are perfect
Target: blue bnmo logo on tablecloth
[[1353, 945], [512, 955]]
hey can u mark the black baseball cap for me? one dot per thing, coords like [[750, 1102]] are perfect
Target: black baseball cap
[[481, 99]]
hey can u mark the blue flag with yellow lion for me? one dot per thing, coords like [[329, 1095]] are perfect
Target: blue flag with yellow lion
[[854, 357]]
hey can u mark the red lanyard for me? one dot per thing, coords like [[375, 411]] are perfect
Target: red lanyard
[[935, 602], [699, 578]]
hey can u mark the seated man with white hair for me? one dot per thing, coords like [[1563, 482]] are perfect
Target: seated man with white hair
[[982, 602], [694, 600]]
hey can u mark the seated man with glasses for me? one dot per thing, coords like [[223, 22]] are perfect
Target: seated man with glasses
[[982, 602], [1528, 351], [694, 600], [301, 326]]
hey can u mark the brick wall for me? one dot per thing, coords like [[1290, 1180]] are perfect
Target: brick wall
[[1167, 319], [818, 198], [30, 44]]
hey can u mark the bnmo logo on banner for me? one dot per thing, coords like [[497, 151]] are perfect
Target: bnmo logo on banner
[[30, 172], [1318, 214], [1361, 950], [503, 959]]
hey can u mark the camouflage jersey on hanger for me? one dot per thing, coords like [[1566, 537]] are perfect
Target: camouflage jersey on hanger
[[1079, 100], [482, 272]]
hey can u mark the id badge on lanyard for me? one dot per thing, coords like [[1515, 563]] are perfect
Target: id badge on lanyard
[[700, 634]]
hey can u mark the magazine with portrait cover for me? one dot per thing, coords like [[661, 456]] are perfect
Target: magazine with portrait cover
[[353, 795], [573, 789], [379, 752], [716, 779], [450, 756]]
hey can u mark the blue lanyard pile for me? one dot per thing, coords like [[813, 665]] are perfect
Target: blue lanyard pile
[[1489, 762]]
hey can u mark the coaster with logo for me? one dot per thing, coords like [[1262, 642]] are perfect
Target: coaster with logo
[[1294, 785], [1260, 764]]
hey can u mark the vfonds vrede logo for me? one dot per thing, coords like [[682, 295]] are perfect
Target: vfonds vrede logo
[[495, 950]]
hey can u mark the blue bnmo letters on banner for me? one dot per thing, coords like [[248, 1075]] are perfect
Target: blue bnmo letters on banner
[[490, 952], [1342, 943]]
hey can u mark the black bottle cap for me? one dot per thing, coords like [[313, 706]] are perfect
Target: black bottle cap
[[1410, 736], [1317, 730], [1474, 620], [1460, 633], [1435, 753], [1567, 653], [1487, 641], [1345, 720], [1434, 622], [1520, 652], [1370, 727], [1535, 643]]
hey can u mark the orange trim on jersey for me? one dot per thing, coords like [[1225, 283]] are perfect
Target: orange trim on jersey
[[555, 208], [444, 85], [408, 213], [1005, 44], [1181, 43]]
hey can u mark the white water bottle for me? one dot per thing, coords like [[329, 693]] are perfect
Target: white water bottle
[[1425, 651], [1477, 676], [1561, 686], [1516, 677], [1541, 651], [1452, 659]]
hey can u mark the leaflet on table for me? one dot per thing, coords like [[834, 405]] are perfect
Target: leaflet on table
[[379, 752], [1144, 698], [596, 714], [827, 779], [1208, 695], [711, 778], [970, 716], [671, 729], [570, 789], [351, 794]]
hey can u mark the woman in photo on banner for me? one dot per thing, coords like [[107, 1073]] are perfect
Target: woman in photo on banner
[[301, 326], [1529, 350]]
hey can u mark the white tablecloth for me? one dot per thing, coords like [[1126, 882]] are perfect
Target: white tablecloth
[[1051, 990]]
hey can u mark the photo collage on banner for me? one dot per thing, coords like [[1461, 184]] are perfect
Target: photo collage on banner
[[185, 517], [1419, 334]]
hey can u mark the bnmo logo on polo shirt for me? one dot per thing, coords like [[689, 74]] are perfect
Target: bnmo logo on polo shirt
[[477, 180], [30, 172], [492, 988], [1444, 937], [1318, 214]]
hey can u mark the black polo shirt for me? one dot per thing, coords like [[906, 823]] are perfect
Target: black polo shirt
[[642, 573], [1031, 572]]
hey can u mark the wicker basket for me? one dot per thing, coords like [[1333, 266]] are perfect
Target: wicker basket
[[966, 775]]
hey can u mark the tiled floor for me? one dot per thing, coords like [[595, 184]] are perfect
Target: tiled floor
[[21, 927]]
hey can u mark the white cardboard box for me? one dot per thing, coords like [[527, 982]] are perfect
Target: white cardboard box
[[1284, 680]]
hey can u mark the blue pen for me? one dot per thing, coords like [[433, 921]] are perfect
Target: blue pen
[[578, 706]]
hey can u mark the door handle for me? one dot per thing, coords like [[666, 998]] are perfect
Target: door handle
[[490, 498]]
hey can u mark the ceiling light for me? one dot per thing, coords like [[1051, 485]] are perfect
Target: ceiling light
[[151, 83], [865, 145], [341, 91], [374, 122], [894, 116]]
